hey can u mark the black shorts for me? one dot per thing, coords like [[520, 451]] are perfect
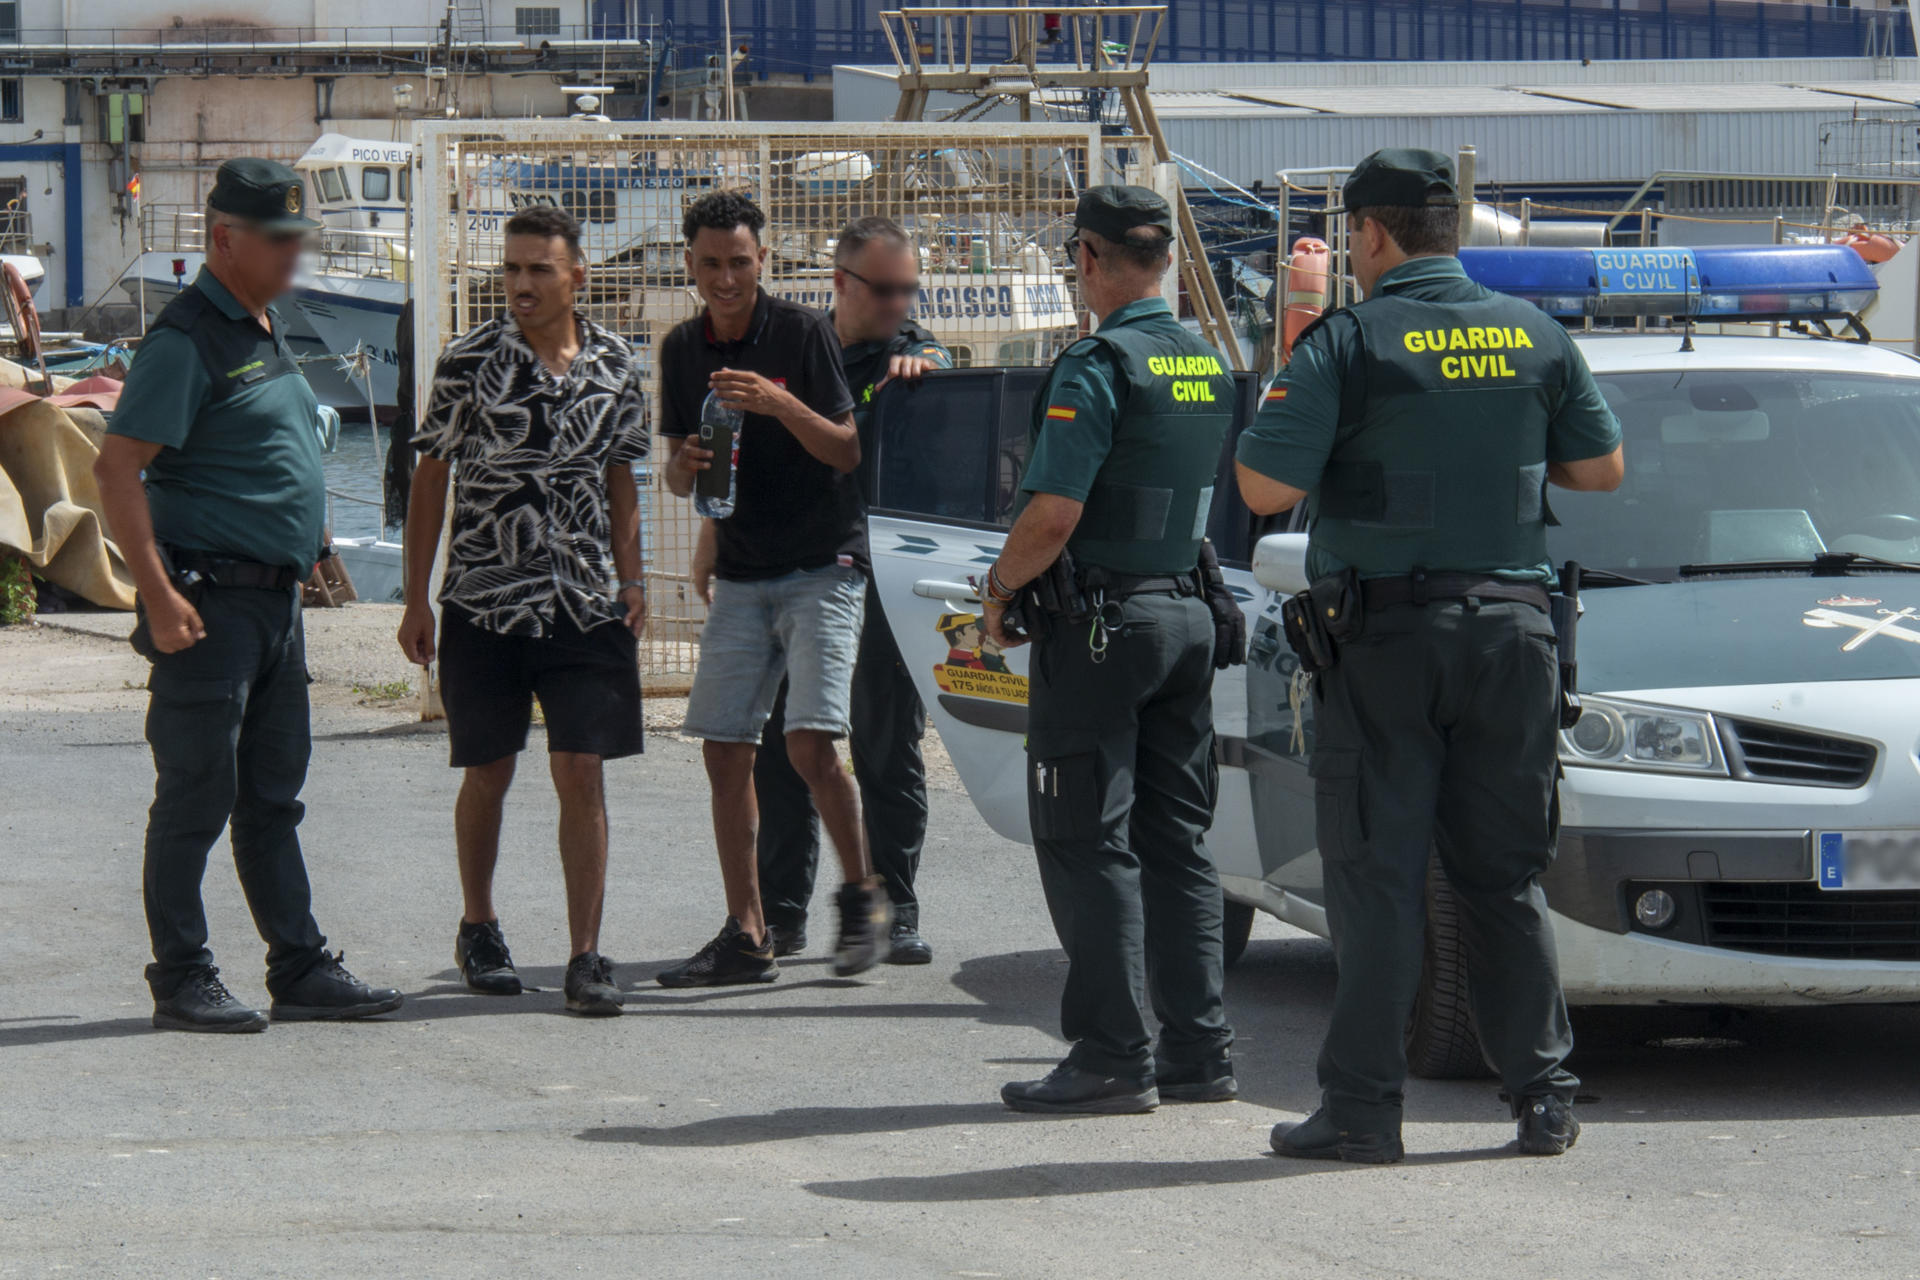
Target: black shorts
[[588, 683]]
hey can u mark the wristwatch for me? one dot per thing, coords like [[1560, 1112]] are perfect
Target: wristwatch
[[633, 582]]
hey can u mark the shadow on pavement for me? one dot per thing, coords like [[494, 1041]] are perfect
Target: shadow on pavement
[[1098, 1177], [811, 1122]]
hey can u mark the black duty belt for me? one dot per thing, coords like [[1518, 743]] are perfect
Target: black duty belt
[[1418, 588], [231, 571]]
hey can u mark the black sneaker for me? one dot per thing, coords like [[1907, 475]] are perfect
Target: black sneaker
[[481, 952], [863, 922], [202, 1003], [1318, 1138], [732, 957], [788, 939], [1069, 1090], [590, 988], [1208, 1081], [1547, 1126], [906, 946], [328, 993]]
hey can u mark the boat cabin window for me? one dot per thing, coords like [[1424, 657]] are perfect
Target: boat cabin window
[[596, 204], [406, 185], [332, 189], [376, 183]]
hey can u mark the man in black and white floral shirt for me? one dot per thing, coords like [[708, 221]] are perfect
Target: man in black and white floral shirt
[[539, 416]]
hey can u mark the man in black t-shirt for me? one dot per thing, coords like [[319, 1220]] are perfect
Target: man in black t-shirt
[[791, 566]]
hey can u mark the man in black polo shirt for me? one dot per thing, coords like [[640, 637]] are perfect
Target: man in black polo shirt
[[791, 563], [876, 280]]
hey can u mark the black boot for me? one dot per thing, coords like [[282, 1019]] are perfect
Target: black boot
[[906, 946], [590, 988], [788, 939], [202, 1003], [1070, 1090], [485, 963], [1319, 1138], [1209, 1080], [1547, 1126], [328, 993]]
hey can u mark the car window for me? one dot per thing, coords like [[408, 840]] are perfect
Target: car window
[[1751, 465], [953, 446]]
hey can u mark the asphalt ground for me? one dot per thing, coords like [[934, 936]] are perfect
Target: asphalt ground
[[815, 1127]]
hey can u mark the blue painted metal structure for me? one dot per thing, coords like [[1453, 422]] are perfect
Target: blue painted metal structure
[[67, 156], [809, 36]]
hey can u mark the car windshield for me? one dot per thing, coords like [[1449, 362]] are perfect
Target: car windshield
[[1751, 465]]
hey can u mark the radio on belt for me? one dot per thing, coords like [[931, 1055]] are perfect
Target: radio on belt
[[1721, 282]]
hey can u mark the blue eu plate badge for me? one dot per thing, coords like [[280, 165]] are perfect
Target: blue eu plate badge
[[1833, 872]]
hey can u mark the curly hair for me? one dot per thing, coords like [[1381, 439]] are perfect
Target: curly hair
[[723, 211]]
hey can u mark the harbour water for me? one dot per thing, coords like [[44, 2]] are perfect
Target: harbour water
[[353, 472]]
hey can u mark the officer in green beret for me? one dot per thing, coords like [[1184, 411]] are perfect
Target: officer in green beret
[[1422, 427], [1124, 447], [210, 474]]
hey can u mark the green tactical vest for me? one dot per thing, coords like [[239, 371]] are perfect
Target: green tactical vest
[[1445, 467], [1147, 512]]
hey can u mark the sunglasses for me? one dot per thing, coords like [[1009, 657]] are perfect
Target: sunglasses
[[1072, 249], [885, 291]]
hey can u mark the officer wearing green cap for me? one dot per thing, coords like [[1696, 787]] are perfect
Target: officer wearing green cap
[[210, 475], [1125, 443], [1422, 427]]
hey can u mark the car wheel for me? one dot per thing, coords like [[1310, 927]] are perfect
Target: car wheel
[[1442, 1042], [1239, 928]]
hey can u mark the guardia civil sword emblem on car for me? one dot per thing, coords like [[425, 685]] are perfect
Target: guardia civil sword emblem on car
[[1882, 622]]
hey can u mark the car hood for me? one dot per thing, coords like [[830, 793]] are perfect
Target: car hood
[[1737, 631]]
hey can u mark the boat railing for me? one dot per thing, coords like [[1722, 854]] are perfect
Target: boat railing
[[361, 251]]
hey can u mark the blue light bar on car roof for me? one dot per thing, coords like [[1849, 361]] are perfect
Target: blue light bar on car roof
[[1722, 282]]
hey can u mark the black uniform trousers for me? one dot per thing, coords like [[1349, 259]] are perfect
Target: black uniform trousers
[[888, 722], [1121, 789], [1435, 732], [227, 720]]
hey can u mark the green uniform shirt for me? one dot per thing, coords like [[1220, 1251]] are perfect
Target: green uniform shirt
[[239, 473], [1319, 398]]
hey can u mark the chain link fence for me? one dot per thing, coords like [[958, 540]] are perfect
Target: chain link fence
[[989, 207]]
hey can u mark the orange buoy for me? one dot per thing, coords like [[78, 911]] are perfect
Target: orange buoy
[[1306, 297], [1874, 248], [21, 312]]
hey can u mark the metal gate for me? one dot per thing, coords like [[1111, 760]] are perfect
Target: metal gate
[[988, 205]]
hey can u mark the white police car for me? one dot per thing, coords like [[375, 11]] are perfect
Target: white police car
[[1740, 810]]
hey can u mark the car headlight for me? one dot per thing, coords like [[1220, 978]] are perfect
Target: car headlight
[[1629, 735]]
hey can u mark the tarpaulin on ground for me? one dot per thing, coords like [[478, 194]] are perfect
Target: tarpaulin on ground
[[49, 505]]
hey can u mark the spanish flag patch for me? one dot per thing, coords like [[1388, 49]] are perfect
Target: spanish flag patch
[[1062, 412], [1276, 393]]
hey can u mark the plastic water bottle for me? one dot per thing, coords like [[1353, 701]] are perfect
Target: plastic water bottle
[[718, 419]]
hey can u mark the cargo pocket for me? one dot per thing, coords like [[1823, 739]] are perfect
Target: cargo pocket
[[1063, 787], [1340, 830]]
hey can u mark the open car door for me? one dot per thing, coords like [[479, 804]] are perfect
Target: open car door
[[945, 458]]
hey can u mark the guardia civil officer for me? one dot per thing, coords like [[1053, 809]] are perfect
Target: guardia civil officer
[[1422, 426], [1125, 442], [224, 529]]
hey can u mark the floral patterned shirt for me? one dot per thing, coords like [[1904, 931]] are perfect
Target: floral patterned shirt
[[532, 534]]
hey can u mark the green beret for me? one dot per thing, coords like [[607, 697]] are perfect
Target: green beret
[[1401, 177], [1112, 211], [264, 192]]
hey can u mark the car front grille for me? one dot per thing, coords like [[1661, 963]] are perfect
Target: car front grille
[[1769, 753], [1798, 918]]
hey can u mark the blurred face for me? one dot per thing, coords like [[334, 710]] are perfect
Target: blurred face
[[876, 289], [725, 266], [260, 263], [540, 276]]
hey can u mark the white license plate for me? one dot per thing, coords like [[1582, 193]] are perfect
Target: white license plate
[[1864, 860]]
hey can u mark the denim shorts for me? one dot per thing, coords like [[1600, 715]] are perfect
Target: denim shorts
[[804, 626]]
